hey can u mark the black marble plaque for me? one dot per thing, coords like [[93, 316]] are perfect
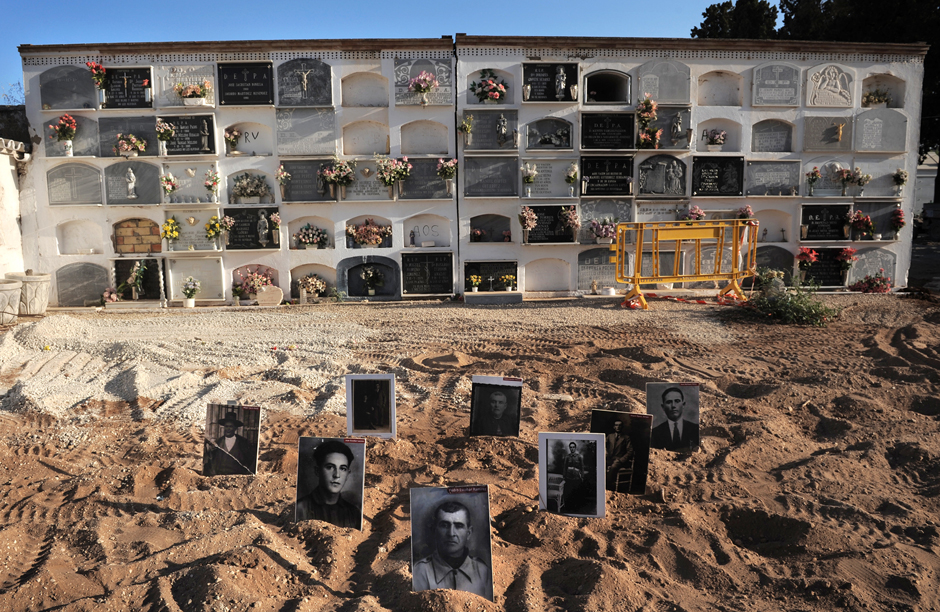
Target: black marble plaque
[[80, 283], [607, 176], [304, 82], [67, 88], [493, 227], [717, 176], [662, 175], [493, 130], [773, 178], [141, 127], [126, 88], [607, 131], [195, 135], [74, 183], [491, 176], [549, 133], [427, 273], [247, 232], [305, 184], [132, 183], [826, 271], [349, 277], [489, 271], [246, 84], [424, 183], [549, 227], [775, 258], [549, 82], [150, 287], [825, 221]]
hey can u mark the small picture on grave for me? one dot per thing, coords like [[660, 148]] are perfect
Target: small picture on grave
[[495, 406], [231, 440], [626, 449], [572, 473], [675, 411], [370, 405], [450, 539], [330, 481]]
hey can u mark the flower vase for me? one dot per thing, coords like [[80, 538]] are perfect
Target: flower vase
[[861, 192], [401, 189], [844, 186], [804, 230], [189, 302], [573, 90], [846, 231], [302, 246], [194, 101], [525, 236], [899, 191], [424, 98], [276, 236], [896, 236], [332, 191], [526, 92], [68, 147], [236, 300], [342, 192], [283, 193], [528, 192], [170, 245], [102, 98], [714, 148], [474, 289], [371, 291], [603, 240], [856, 235], [570, 191], [148, 95], [449, 183], [508, 287], [134, 294], [391, 191], [490, 101], [467, 139], [215, 198], [811, 188], [225, 237], [302, 296], [802, 275], [161, 144]]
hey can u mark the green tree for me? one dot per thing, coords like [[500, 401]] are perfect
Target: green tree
[[741, 19]]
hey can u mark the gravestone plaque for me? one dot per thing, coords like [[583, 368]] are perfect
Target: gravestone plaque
[[550, 180], [493, 130], [773, 178], [619, 210], [491, 176], [407, 69], [549, 133], [126, 88], [826, 271], [191, 178], [708, 267], [666, 267], [141, 127], [192, 231], [348, 277], [594, 265], [656, 212], [366, 187], [870, 261], [167, 77], [549, 227], [207, 271], [673, 121], [195, 135], [606, 176], [607, 131], [305, 184], [427, 273], [662, 175], [74, 183], [67, 88], [489, 271], [880, 213], [305, 131], [132, 183], [494, 228], [827, 133], [666, 81], [881, 169], [80, 283], [549, 82], [882, 129], [150, 287], [249, 231], [85, 142], [304, 82], [772, 136], [829, 85], [775, 258], [825, 221], [829, 184], [777, 85], [424, 183], [246, 84]]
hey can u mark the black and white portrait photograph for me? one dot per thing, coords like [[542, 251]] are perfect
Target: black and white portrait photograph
[[495, 406], [370, 405], [626, 448], [231, 440], [675, 411], [450, 539], [571, 473], [330, 480]]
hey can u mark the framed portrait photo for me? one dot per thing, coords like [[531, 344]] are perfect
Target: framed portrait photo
[[495, 406], [330, 480], [370, 405], [675, 410], [230, 446], [571, 474], [626, 448]]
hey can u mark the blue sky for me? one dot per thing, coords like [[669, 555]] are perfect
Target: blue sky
[[44, 22]]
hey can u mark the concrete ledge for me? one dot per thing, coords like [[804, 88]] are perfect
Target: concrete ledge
[[492, 297]]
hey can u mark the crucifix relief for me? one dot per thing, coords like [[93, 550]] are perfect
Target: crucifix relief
[[303, 80]]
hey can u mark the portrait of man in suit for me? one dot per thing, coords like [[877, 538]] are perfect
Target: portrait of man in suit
[[678, 403], [231, 452]]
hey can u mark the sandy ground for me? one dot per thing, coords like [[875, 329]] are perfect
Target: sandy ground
[[817, 486]]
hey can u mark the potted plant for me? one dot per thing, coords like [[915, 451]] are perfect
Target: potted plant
[[846, 257], [466, 128], [422, 85], [900, 179], [508, 281], [255, 282], [340, 173], [447, 170], [100, 77], [715, 139], [604, 230], [212, 181], [876, 98], [169, 183], [861, 225], [475, 281], [190, 289], [195, 94], [477, 235], [65, 131], [311, 235], [806, 258], [646, 113], [529, 172], [879, 283], [249, 189], [232, 136], [312, 284], [897, 222], [372, 277], [170, 230], [571, 220], [165, 133], [571, 177], [129, 145], [369, 233], [861, 180], [282, 178], [846, 177], [693, 214], [491, 89], [528, 220], [813, 177]]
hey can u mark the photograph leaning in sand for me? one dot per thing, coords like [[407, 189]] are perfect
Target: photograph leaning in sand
[[675, 411], [330, 480], [370, 405], [231, 440], [626, 448], [495, 406], [571, 473]]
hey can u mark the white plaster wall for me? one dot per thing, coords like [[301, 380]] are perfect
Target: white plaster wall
[[11, 242]]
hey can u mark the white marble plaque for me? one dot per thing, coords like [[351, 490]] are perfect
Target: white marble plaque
[[407, 69], [776, 84], [191, 178], [166, 77], [550, 180], [881, 129], [366, 187], [207, 271], [305, 131], [829, 85], [192, 231]]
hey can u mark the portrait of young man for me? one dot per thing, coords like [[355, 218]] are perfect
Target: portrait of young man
[[450, 539], [675, 411], [330, 480], [495, 405], [231, 440], [370, 405]]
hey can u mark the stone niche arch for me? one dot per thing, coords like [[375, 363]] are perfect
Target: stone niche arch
[[547, 274], [365, 89], [271, 182], [732, 140], [349, 281], [137, 236], [772, 136], [428, 227], [257, 139], [386, 243], [720, 88], [775, 258], [895, 87], [365, 138], [260, 268], [501, 75], [424, 138], [74, 183], [304, 81], [322, 222], [607, 87], [774, 221], [67, 88], [79, 237], [666, 81], [80, 283], [493, 227], [327, 273]]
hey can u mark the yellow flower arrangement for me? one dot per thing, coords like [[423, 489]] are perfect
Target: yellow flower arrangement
[[475, 280], [171, 229], [508, 279], [213, 227]]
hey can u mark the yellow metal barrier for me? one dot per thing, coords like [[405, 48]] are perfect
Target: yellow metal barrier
[[733, 233]]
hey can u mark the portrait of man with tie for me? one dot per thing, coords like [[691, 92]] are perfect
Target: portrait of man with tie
[[451, 547], [494, 408], [675, 410]]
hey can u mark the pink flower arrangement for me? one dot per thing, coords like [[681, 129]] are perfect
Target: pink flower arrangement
[[527, 218], [745, 212], [489, 88], [65, 129], [341, 172], [694, 214], [390, 171], [423, 83], [129, 144], [213, 179], [807, 257], [879, 283], [846, 258], [897, 219], [447, 169], [369, 233], [197, 90], [570, 217], [98, 74], [254, 282]]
